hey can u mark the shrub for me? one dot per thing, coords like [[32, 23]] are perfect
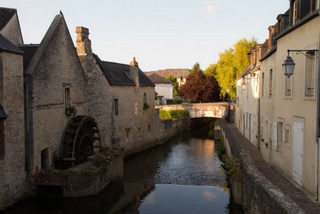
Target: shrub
[[233, 166], [221, 151], [173, 114]]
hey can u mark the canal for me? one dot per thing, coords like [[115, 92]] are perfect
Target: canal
[[184, 175]]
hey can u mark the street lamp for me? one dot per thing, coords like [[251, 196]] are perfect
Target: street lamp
[[288, 64]]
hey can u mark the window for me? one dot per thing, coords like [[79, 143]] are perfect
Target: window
[[310, 65], [280, 136], [139, 131], [2, 138], [144, 98], [288, 86], [67, 97], [287, 135], [116, 108], [262, 85], [128, 133], [270, 83], [44, 159], [149, 128]]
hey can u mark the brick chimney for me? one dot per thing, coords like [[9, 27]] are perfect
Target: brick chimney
[[83, 43], [134, 71]]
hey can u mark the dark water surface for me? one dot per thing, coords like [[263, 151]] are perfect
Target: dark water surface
[[183, 175]]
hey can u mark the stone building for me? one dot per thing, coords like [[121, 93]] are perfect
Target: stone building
[[289, 105], [248, 93], [179, 73], [59, 103]]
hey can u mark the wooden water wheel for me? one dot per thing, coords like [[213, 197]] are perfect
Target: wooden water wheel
[[80, 140]]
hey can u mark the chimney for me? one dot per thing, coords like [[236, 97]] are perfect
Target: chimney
[[271, 35], [83, 42], [134, 71]]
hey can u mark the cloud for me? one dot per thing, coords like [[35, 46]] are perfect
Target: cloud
[[211, 9]]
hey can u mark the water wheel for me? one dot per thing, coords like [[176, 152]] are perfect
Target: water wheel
[[80, 140]]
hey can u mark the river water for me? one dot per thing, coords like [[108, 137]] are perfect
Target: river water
[[184, 175]]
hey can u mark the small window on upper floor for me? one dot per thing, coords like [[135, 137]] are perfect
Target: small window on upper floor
[[310, 67], [67, 97], [149, 129], [288, 86], [139, 131], [270, 83], [262, 85], [116, 107]]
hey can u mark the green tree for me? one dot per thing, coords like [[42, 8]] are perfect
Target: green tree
[[196, 67], [230, 65], [174, 81], [201, 88], [211, 70]]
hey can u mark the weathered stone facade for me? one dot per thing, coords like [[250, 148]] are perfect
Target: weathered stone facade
[[13, 176]]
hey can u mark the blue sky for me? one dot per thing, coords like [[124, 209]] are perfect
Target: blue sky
[[160, 34]]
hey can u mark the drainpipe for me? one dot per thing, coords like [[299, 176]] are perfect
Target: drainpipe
[[317, 127], [28, 128]]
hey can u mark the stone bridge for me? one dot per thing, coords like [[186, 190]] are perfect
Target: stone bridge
[[197, 110]]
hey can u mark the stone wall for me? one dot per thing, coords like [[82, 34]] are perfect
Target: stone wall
[[57, 69], [198, 110], [13, 176], [259, 194]]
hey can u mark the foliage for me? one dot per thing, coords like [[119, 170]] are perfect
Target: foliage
[[107, 155], [201, 88], [71, 110], [211, 70], [221, 151], [173, 114], [196, 67], [146, 106], [230, 65], [233, 166], [175, 87]]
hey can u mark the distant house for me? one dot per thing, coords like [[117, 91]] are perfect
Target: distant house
[[164, 87], [180, 74]]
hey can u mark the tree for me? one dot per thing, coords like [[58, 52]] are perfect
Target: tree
[[230, 65], [201, 88], [196, 67], [174, 81]]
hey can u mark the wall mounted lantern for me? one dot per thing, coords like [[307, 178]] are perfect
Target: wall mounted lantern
[[288, 64], [243, 85]]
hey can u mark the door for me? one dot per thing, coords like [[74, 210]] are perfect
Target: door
[[297, 152]]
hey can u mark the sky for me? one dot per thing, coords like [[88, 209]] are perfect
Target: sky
[[161, 34]]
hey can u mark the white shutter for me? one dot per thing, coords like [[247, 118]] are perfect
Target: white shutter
[[275, 135]]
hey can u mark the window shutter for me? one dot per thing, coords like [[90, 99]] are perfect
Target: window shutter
[[275, 135]]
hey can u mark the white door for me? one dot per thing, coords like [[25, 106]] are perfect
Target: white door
[[297, 152]]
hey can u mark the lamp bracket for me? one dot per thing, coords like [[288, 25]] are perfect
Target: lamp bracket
[[304, 52]]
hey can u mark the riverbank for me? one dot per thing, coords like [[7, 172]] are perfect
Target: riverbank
[[265, 190]]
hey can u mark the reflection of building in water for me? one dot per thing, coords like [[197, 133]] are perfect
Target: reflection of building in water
[[132, 194]]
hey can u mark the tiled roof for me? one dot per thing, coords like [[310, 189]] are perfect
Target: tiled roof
[[119, 74], [5, 15], [6, 45], [29, 51], [176, 73], [156, 79]]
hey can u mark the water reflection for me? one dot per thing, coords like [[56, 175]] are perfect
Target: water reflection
[[184, 160]]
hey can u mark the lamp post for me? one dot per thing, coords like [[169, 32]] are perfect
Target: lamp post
[[288, 64]]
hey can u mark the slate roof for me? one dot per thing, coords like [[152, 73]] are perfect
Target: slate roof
[[119, 74], [2, 113], [6, 45], [5, 15], [29, 51], [156, 79]]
